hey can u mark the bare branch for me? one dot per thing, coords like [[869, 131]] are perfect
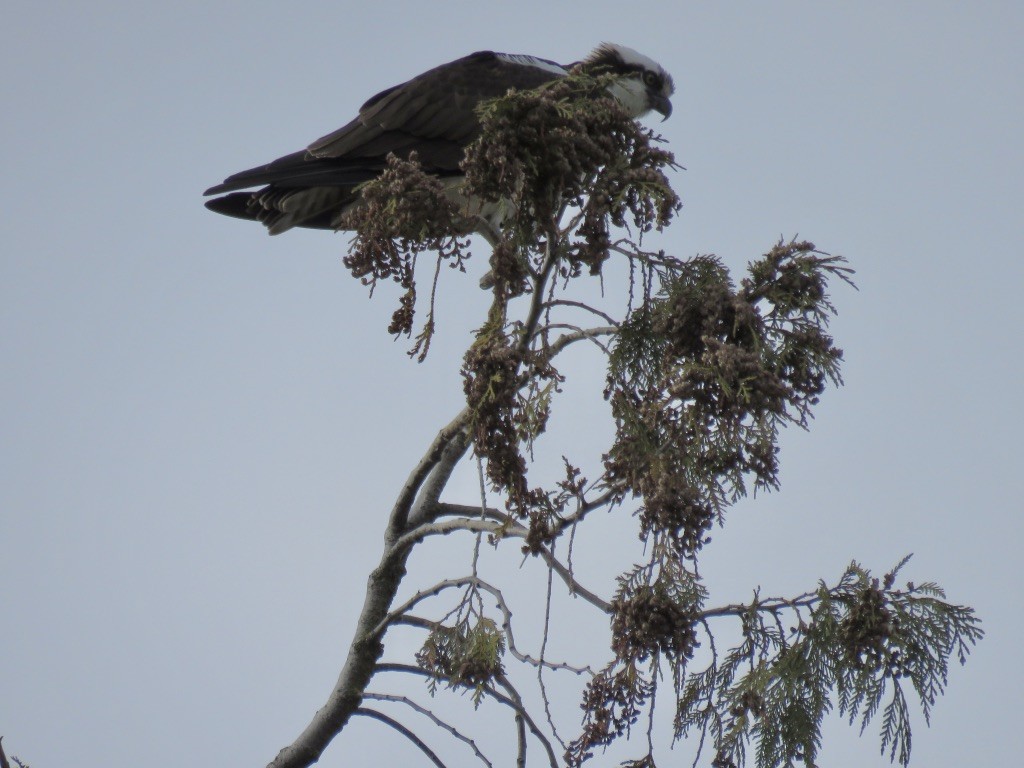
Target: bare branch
[[411, 620], [540, 666], [591, 334], [429, 494], [511, 699], [433, 455], [381, 587], [507, 627], [537, 303], [420, 596], [575, 588], [579, 304], [444, 509], [404, 731], [400, 615], [521, 739], [650, 715], [444, 528], [768, 605], [515, 701], [483, 512], [586, 508], [652, 258], [436, 720], [509, 527]]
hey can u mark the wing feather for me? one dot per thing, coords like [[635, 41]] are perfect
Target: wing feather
[[439, 104], [433, 114]]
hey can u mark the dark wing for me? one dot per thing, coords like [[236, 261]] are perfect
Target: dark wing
[[434, 115]]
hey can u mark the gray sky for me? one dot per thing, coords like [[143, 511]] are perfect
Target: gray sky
[[203, 426]]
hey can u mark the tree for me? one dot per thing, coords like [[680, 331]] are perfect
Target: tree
[[702, 373]]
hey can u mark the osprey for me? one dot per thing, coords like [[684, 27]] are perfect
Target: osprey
[[433, 115]]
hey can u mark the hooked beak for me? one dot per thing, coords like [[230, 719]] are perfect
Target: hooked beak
[[660, 104]]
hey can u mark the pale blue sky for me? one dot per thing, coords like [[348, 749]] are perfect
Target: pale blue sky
[[202, 427]]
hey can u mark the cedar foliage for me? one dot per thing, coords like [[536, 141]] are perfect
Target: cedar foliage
[[703, 373]]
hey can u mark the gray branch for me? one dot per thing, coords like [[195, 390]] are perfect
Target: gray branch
[[419, 492], [434, 718], [768, 605], [580, 305], [373, 713], [510, 698], [514, 700], [582, 334], [400, 615]]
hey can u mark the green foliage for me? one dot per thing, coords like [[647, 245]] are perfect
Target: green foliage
[[855, 644], [465, 654], [702, 376]]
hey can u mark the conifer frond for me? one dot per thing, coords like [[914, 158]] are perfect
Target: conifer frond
[[862, 640]]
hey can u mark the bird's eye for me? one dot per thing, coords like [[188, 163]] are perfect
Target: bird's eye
[[650, 79]]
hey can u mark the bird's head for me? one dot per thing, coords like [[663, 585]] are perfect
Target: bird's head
[[643, 84]]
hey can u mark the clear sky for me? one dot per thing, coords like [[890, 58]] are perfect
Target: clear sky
[[202, 427]]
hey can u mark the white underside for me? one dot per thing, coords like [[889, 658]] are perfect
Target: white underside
[[631, 94]]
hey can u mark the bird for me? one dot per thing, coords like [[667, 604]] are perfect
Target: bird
[[432, 115]]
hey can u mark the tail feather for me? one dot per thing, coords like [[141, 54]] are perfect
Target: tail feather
[[280, 210], [298, 172]]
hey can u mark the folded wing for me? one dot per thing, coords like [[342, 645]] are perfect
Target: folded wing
[[433, 115]]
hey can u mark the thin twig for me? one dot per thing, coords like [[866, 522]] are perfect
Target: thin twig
[[511, 699], [507, 628], [581, 305], [769, 605], [711, 693], [436, 720], [590, 334], [509, 527], [516, 701], [373, 713], [421, 595], [574, 586], [540, 667], [537, 303], [401, 616], [483, 516], [585, 509], [650, 710]]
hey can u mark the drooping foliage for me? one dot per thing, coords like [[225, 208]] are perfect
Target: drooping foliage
[[703, 371]]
